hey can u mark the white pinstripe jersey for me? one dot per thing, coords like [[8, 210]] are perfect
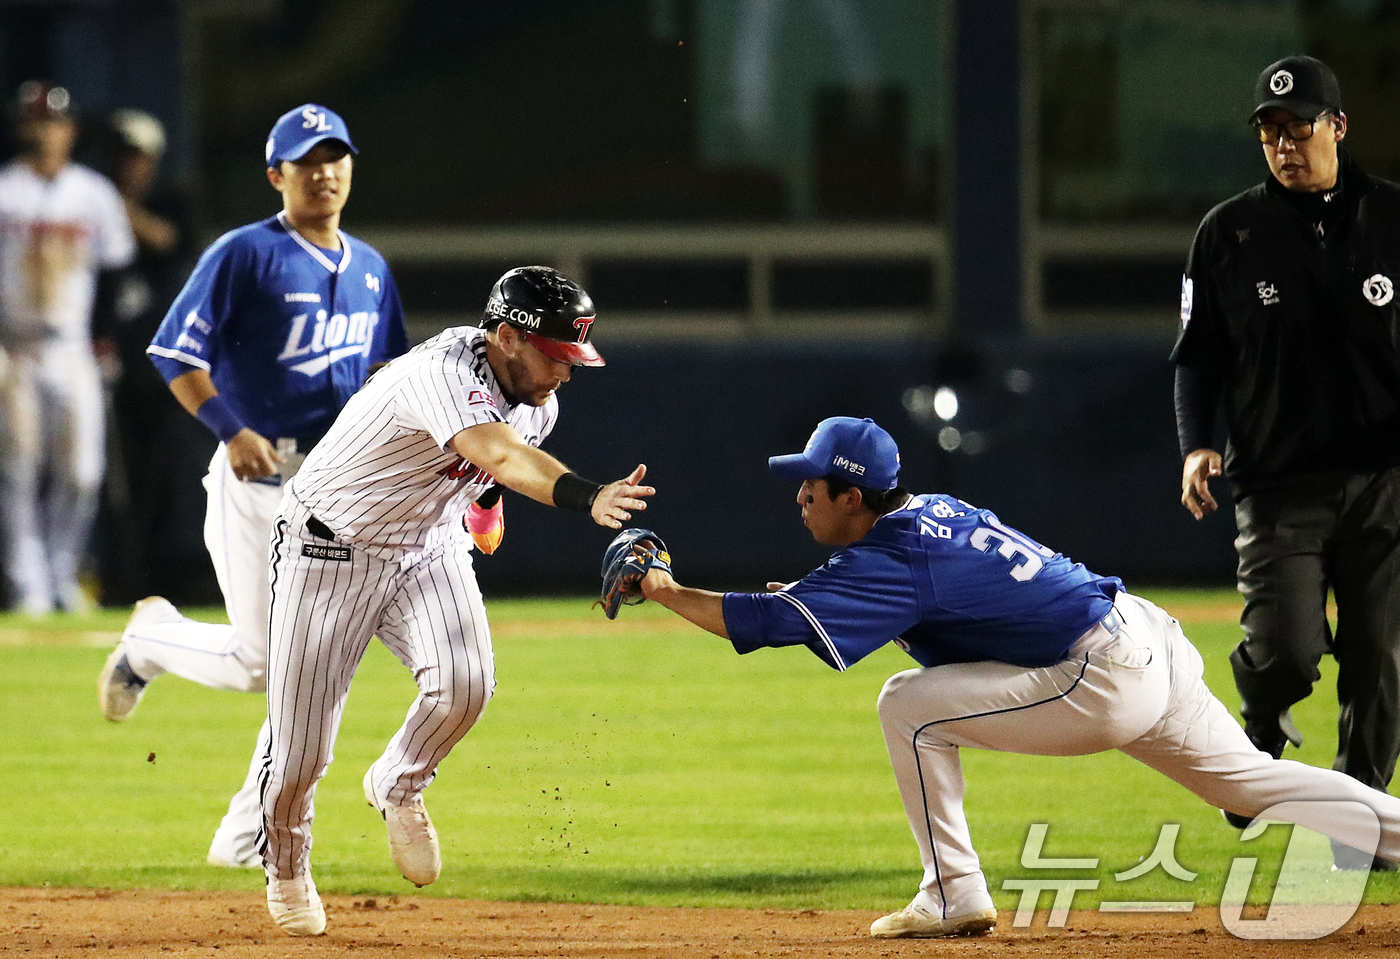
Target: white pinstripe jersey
[[385, 477]]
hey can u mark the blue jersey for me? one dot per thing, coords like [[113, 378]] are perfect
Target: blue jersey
[[286, 329], [948, 582]]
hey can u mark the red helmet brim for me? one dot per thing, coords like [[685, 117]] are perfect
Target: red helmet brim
[[575, 354]]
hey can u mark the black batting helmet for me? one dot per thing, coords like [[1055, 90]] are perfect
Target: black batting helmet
[[553, 311]]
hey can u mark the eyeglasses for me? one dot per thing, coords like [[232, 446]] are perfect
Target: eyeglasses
[[1295, 130]]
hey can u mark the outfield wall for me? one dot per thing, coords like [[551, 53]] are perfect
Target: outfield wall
[[1073, 441], [1070, 440]]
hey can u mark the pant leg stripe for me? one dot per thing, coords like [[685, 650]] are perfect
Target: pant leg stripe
[[928, 818]]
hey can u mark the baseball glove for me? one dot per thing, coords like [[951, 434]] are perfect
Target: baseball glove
[[627, 560]]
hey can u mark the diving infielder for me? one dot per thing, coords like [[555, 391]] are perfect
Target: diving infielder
[[370, 540], [275, 329], [1019, 649], [60, 224]]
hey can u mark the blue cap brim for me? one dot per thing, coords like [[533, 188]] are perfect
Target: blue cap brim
[[795, 466], [296, 152]]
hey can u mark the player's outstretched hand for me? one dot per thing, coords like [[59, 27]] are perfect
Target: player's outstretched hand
[[251, 456], [1196, 472], [614, 503]]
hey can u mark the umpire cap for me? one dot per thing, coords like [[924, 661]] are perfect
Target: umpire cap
[[300, 129], [553, 312], [1304, 86]]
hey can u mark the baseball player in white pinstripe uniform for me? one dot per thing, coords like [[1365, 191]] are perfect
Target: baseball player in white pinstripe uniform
[[370, 540]]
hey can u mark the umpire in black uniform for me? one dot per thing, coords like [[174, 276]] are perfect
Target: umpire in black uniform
[[1291, 330]]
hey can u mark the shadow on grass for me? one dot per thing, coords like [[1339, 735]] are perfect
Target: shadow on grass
[[757, 883], [675, 887]]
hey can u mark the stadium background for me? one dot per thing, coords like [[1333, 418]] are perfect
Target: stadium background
[[965, 218]]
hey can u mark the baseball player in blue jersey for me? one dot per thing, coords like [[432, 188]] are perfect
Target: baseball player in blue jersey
[[1019, 649], [276, 328]]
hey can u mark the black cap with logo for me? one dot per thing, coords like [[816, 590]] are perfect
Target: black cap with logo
[[1304, 86], [553, 311]]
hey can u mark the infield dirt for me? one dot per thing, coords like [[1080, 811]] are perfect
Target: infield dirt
[[126, 924]]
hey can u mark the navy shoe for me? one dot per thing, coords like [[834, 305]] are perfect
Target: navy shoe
[[1347, 858]]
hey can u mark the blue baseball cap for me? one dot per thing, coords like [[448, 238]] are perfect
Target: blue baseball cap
[[857, 451], [297, 131]]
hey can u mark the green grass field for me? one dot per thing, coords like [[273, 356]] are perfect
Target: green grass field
[[632, 762]]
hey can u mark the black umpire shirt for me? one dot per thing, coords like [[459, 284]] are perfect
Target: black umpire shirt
[[1291, 327]]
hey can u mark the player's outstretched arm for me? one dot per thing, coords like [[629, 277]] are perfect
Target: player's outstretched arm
[[700, 606], [1196, 472], [250, 455], [499, 450], [637, 567]]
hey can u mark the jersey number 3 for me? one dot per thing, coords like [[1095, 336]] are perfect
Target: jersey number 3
[[1024, 553]]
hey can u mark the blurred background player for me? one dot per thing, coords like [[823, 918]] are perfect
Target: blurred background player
[[277, 327], [60, 224], [1288, 318], [369, 541], [154, 448]]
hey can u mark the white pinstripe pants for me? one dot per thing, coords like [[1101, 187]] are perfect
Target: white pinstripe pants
[[1137, 689], [427, 609]]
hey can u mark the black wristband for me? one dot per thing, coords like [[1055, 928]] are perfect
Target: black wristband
[[572, 491]]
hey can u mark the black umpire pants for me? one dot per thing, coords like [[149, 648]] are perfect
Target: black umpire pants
[[1340, 531]]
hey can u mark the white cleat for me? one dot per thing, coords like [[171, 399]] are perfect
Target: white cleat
[[233, 850], [916, 922], [223, 862], [119, 690], [413, 842], [296, 906]]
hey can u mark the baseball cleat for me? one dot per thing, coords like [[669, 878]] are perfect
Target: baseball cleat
[[1238, 820], [916, 922], [296, 906], [220, 861], [234, 847], [234, 851], [119, 689], [1347, 858], [413, 842]]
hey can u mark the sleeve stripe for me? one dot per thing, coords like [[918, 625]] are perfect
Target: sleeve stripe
[[815, 624], [185, 358]]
